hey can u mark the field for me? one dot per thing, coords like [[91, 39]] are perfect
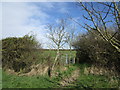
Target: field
[[52, 53]]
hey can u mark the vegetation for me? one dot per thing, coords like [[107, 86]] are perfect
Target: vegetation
[[10, 81], [52, 53], [100, 45], [0, 78], [83, 81], [93, 50], [94, 81], [97, 55], [19, 53]]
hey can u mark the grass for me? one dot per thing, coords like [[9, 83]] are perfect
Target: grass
[[84, 81], [53, 53], [0, 78], [94, 81], [64, 74], [14, 81]]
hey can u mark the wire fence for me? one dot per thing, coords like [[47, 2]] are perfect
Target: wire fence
[[66, 59]]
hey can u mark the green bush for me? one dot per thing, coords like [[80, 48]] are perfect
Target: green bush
[[93, 49], [19, 53]]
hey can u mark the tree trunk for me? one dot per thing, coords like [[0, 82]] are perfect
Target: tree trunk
[[56, 58]]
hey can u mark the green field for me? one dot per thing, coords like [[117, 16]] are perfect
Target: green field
[[42, 55], [53, 53]]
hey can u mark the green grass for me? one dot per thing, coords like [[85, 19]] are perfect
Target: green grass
[[53, 53], [94, 81], [13, 81], [83, 81], [64, 74], [0, 78]]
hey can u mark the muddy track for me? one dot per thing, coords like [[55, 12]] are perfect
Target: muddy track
[[69, 80]]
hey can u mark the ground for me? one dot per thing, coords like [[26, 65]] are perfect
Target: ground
[[72, 76]]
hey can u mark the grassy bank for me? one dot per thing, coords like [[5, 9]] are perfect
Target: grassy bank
[[83, 81], [94, 81], [14, 81]]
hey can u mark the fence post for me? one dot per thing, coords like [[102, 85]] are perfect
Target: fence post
[[67, 59], [74, 60]]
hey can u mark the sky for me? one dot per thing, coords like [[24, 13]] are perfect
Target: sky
[[21, 18]]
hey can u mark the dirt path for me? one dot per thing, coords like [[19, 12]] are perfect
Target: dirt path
[[68, 80]]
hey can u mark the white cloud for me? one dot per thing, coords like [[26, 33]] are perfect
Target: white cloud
[[21, 18], [18, 19]]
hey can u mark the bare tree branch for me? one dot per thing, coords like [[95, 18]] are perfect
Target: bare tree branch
[[97, 18]]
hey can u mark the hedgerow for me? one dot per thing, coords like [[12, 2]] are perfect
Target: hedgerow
[[19, 53]]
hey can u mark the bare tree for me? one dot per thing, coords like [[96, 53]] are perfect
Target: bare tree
[[99, 17], [57, 34]]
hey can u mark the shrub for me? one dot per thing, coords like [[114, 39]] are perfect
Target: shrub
[[19, 53], [92, 49]]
